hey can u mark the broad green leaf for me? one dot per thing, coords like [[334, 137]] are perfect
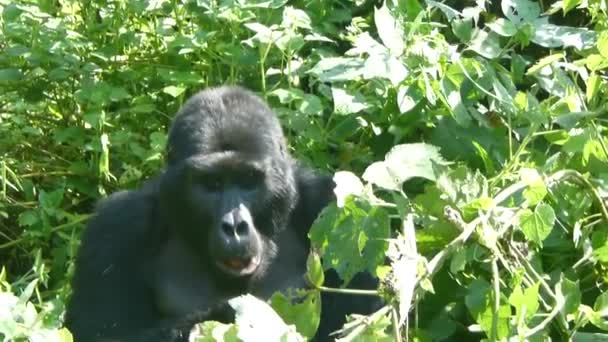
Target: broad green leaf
[[28, 218], [503, 27], [601, 304], [537, 225], [402, 163], [300, 308], [385, 66], [174, 90], [295, 18], [389, 30], [408, 97], [257, 321], [536, 190], [520, 11], [351, 239], [347, 183], [486, 44], [10, 75], [526, 301], [212, 331], [543, 62], [479, 300], [602, 44], [347, 103], [314, 270], [567, 5], [593, 87], [552, 36], [338, 69], [569, 293]]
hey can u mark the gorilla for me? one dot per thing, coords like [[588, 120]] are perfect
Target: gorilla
[[229, 215]]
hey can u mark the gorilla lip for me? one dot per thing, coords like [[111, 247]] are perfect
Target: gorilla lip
[[239, 265]]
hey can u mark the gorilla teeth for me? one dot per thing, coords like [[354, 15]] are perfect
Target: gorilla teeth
[[237, 263]]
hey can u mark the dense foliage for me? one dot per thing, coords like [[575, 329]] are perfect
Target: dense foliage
[[468, 140]]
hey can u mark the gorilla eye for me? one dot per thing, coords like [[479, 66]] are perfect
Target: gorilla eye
[[212, 183], [250, 179]]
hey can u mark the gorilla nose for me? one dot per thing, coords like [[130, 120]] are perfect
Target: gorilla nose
[[234, 224]]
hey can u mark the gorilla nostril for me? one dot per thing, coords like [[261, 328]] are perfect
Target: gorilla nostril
[[228, 229], [242, 228]]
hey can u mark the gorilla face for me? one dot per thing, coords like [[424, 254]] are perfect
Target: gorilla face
[[226, 195], [231, 196]]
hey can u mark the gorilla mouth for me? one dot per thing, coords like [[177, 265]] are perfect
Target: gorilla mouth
[[239, 266]]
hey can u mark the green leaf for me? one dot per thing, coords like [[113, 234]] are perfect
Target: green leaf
[[314, 270], [543, 62], [520, 11], [567, 5], [300, 308], [593, 87], [402, 163], [10, 75], [347, 103], [537, 225], [389, 30], [257, 321], [486, 44], [174, 91], [536, 190], [338, 69], [479, 300], [28, 218], [552, 36], [295, 18], [351, 239], [408, 97], [347, 183], [569, 293], [503, 27], [602, 44], [525, 302]]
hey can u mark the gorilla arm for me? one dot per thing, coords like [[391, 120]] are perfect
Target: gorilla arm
[[112, 296]]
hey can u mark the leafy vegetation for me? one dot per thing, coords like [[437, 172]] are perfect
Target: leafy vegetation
[[468, 140]]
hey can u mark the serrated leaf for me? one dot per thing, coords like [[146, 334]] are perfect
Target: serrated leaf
[[351, 239], [537, 225]]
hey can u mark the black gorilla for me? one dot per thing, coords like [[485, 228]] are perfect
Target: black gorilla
[[229, 215]]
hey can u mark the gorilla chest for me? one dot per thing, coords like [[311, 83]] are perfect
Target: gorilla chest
[[182, 284]]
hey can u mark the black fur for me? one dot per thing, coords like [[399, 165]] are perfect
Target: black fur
[[154, 262]]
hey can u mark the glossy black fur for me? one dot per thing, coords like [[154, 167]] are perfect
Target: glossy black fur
[[144, 271]]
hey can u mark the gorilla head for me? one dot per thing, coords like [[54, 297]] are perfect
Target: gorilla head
[[229, 186]]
